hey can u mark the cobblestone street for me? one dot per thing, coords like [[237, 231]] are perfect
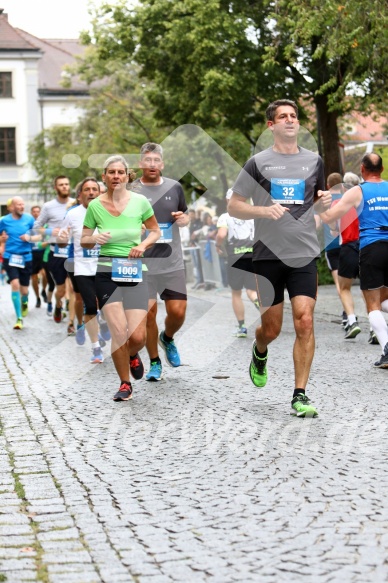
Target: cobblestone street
[[201, 477]]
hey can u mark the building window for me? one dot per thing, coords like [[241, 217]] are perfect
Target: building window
[[5, 84], [7, 146]]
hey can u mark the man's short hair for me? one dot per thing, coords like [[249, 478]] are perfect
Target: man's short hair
[[351, 178], [372, 162], [36, 206], [333, 179], [151, 147], [271, 109], [60, 177]]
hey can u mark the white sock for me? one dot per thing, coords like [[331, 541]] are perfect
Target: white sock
[[351, 319], [379, 326], [95, 345], [384, 306]]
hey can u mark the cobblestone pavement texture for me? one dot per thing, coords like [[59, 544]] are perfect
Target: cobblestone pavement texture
[[201, 477]]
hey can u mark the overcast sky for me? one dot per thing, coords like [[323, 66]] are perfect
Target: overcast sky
[[49, 18]]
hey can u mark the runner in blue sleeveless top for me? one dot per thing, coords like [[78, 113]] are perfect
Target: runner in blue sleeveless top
[[371, 201], [18, 256]]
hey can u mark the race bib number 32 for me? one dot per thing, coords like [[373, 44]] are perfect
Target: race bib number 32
[[127, 270], [287, 190]]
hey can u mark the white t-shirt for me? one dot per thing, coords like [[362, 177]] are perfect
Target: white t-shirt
[[85, 260]]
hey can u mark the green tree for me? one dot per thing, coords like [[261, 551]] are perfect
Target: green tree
[[116, 118], [45, 154], [218, 63]]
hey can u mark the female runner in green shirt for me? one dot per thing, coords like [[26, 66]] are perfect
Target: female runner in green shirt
[[121, 284]]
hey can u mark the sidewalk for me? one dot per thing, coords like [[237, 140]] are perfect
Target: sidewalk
[[201, 477]]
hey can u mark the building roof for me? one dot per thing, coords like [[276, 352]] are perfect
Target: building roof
[[11, 39], [56, 54]]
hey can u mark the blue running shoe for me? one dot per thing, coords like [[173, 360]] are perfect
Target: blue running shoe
[[170, 351], [80, 336], [101, 341], [97, 356], [155, 372]]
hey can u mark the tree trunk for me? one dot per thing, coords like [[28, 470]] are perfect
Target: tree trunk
[[327, 124]]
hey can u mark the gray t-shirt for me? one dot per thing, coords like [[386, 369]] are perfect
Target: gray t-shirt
[[292, 180], [166, 255]]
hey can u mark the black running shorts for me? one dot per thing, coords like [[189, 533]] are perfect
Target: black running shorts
[[86, 286], [240, 273], [332, 258], [56, 266], [374, 265], [22, 274], [37, 261], [349, 260], [134, 296], [273, 276]]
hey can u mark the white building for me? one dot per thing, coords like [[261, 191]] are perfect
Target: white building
[[31, 99]]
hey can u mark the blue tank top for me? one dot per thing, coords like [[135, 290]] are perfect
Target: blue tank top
[[373, 216]]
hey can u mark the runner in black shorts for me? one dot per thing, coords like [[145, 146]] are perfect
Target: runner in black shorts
[[121, 288], [284, 181], [235, 238], [49, 223], [370, 199]]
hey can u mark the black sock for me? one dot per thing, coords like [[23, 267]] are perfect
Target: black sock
[[298, 391], [167, 338], [127, 382], [155, 360], [261, 354], [241, 323]]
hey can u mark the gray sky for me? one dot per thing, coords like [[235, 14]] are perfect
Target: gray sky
[[49, 18]]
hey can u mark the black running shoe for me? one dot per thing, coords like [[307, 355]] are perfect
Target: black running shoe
[[372, 338], [136, 366], [383, 362], [124, 393], [38, 303], [352, 331], [44, 296]]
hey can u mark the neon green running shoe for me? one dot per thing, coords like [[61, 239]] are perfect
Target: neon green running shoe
[[300, 407], [258, 368], [24, 309]]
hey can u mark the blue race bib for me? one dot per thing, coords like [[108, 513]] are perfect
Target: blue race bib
[[92, 253], [61, 251], [127, 270], [287, 190], [166, 233]]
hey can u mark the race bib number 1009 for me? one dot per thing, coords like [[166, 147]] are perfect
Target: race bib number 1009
[[127, 270], [287, 190]]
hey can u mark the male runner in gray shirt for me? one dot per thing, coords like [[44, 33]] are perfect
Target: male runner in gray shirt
[[49, 223], [283, 182]]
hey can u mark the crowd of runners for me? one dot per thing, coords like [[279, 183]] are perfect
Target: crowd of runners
[[103, 257]]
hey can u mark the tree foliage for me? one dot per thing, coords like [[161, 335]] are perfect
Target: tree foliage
[[218, 63]]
